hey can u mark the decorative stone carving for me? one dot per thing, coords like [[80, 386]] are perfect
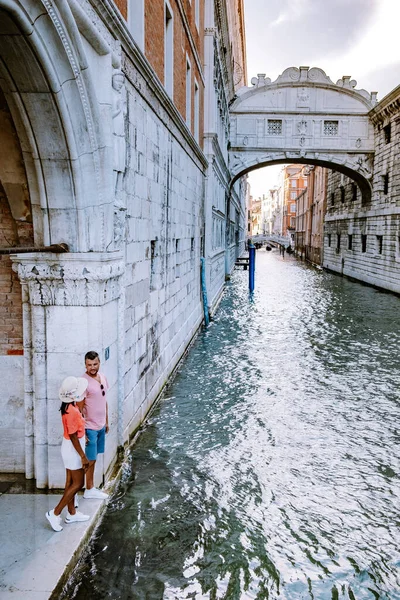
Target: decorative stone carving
[[346, 83], [307, 76], [76, 280], [302, 127], [362, 166], [260, 80], [119, 112], [303, 98], [119, 220], [237, 161], [222, 101]]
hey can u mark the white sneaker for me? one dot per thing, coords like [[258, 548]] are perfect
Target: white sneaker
[[95, 493], [54, 520], [77, 517]]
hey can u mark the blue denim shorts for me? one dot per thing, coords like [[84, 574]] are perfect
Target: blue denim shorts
[[95, 442]]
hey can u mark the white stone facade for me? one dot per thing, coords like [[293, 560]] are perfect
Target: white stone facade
[[362, 240], [225, 204], [113, 172]]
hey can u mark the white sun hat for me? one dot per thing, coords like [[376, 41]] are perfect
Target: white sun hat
[[72, 388]]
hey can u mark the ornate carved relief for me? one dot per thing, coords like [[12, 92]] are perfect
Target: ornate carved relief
[[362, 165], [119, 113], [303, 98], [69, 283], [302, 127], [307, 76], [220, 89], [260, 80]]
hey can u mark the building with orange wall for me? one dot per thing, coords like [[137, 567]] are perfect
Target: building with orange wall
[[170, 33], [310, 212], [294, 182]]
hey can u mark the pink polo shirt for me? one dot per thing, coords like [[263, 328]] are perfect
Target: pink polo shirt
[[94, 409]]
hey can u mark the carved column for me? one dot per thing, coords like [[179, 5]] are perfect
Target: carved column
[[72, 304]]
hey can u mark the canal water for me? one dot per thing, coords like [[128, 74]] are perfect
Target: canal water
[[270, 468]]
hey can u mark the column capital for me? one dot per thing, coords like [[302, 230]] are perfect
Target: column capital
[[76, 279]]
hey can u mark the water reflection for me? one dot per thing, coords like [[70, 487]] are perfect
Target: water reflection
[[271, 468]]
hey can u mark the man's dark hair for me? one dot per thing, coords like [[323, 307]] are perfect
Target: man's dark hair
[[91, 355]]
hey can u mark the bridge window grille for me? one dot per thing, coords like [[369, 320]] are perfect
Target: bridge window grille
[[387, 131], [274, 127], [342, 194], [331, 127], [350, 242], [332, 198], [329, 240], [363, 242], [379, 243], [338, 243]]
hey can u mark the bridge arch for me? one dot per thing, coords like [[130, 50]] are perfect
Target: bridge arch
[[303, 117]]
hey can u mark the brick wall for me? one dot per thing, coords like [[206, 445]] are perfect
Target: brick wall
[[154, 36], [154, 50], [10, 289], [123, 7]]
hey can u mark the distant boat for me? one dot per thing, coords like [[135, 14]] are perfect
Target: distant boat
[[268, 247]]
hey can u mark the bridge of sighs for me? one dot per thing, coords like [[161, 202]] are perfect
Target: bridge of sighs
[[304, 117]]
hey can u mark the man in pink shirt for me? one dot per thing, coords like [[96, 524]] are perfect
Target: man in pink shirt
[[95, 410]]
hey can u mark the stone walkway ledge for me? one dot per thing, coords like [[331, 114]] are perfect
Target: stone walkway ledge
[[35, 561]]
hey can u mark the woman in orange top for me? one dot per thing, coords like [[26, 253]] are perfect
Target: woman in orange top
[[72, 450]]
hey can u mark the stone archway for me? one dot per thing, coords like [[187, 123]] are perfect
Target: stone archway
[[303, 117], [45, 80]]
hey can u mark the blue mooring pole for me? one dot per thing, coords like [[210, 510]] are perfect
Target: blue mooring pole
[[252, 266], [204, 291]]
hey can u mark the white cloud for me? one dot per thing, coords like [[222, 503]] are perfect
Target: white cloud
[[377, 49], [296, 10]]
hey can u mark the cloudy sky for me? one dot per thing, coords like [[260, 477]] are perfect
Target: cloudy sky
[[360, 38]]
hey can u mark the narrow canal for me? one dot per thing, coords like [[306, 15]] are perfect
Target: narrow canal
[[270, 469]]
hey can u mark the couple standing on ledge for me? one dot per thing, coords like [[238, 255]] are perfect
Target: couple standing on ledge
[[84, 414]]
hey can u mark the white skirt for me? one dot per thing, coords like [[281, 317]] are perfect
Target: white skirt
[[70, 456]]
